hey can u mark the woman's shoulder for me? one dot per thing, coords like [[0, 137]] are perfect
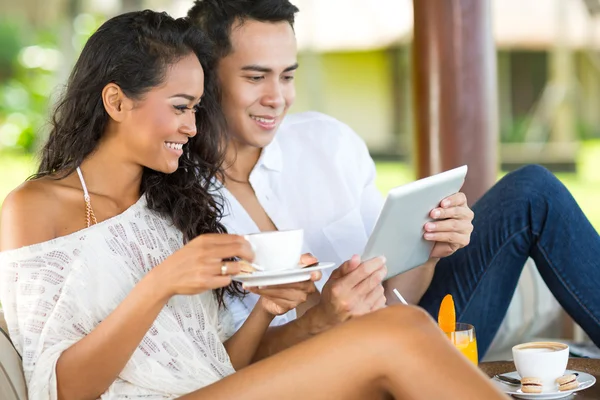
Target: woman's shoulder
[[30, 213]]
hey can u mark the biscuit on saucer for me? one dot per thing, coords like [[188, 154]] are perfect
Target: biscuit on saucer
[[567, 382], [531, 385]]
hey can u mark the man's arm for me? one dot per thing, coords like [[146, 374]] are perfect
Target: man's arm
[[411, 284], [353, 289]]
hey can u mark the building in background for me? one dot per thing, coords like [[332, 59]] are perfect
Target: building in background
[[355, 61]]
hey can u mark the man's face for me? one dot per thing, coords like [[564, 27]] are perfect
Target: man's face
[[257, 80]]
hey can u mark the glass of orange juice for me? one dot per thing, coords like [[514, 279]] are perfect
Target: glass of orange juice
[[463, 338]]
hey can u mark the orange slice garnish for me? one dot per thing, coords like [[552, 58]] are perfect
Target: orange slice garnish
[[447, 315]]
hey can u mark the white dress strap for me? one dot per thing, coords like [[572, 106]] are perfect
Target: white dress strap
[[90, 217], [86, 194]]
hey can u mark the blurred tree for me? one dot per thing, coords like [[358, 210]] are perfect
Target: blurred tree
[[131, 5], [10, 45], [35, 13]]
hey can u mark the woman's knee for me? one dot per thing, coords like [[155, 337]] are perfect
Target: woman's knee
[[400, 320]]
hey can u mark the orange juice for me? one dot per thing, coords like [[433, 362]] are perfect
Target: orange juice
[[465, 341]]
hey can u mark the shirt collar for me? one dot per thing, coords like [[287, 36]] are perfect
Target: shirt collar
[[271, 157]]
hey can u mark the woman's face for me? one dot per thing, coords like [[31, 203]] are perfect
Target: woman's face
[[156, 128]]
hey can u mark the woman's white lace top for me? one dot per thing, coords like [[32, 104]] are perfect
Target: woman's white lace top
[[54, 293]]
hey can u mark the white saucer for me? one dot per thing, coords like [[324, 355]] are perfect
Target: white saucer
[[269, 278], [585, 381]]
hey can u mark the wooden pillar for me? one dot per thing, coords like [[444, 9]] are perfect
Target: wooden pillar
[[562, 75], [455, 91]]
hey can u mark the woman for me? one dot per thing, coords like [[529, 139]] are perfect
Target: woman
[[112, 257]]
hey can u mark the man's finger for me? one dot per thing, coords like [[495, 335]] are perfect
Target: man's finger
[[379, 304], [363, 271], [350, 265], [448, 237], [461, 212], [371, 283], [450, 225], [455, 200], [374, 296], [337, 273]]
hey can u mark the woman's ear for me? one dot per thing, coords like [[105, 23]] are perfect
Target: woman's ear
[[115, 102]]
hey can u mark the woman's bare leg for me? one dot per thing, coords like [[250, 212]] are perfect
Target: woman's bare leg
[[397, 351]]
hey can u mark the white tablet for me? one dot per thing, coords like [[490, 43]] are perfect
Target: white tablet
[[398, 232]]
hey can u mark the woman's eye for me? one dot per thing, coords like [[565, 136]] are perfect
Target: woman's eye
[[288, 78], [184, 108], [256, 78], [181, 108]]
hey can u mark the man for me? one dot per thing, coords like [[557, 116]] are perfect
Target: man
[[310, 171]]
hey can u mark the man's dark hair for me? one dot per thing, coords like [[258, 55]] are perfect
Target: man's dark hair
[[217, 17]]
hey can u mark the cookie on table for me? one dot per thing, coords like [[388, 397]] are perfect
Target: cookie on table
[[531, 385], [567, 382]]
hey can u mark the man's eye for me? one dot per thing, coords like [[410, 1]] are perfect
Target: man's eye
[[288, 78], [256, 78]]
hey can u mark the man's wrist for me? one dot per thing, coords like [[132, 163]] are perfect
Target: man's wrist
[[432, 262], [315, 321]]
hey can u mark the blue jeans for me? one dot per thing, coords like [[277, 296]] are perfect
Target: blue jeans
[[529, 213]]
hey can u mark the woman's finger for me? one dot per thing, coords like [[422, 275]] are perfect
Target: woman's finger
[[308, 259], [225, 268], [282, 294]]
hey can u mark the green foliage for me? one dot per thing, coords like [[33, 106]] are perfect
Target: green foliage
[[25, 87], [10, 45], [29, 62]]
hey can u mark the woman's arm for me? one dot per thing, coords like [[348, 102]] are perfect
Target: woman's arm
[[86, 369], [242, 346], [89, 367]]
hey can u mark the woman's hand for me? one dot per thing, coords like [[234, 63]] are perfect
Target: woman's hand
[[453, 226], [279, 299], [199, 266]]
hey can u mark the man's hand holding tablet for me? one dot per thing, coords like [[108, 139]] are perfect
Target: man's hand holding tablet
[[402, 232]]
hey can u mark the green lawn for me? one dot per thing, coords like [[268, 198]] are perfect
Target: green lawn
[[14, 169], [585, 186]]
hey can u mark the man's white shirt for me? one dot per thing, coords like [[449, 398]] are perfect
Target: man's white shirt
[[317, 175]]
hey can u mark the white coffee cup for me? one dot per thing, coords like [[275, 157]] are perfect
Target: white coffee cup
[[277, 250], [544, 360]]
